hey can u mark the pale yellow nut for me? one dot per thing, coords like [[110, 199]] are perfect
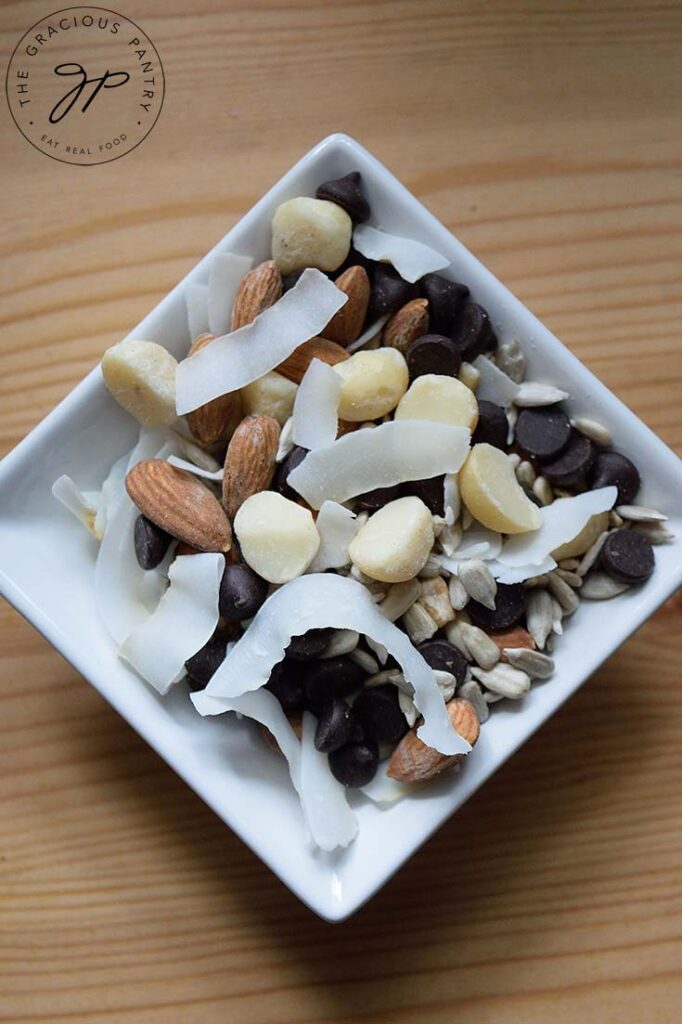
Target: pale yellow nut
[[140, 375], [395, 542], [270, 395], [442, 399], [593, 528], [373, 384], [278, 538], [310, 233], [492, 494]]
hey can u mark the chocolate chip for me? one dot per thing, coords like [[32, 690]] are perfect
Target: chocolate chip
[[379, 714], [573, 465], [473, 333], [431, 492], [242, 592], [627, 556], [287, 684], [492, 426], [355, 259], [208, 659], [151, 543], [309, 645], [337, 726], [355, 764], [542, 434], [347, 192], [444, 657], [389, 292], [510, 605], [332, 677], [614, 469], [293, 459], [433, 353], [445, 298], [376, 499], [289, 280]]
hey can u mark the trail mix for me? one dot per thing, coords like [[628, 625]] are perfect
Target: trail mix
[[349, 515]]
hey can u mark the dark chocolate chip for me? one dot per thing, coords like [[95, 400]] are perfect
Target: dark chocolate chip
[[355, 764], [347, 192], [573, 465], [445, 298], [444, 657], [331, 677], [510, 605], [389, 292], [355, 259], [208, 659], [242, 592], [492, 426], [289, 280], [614, 469], [151, 543], [336, 726], [293, 459], [430, 491], [542, 434], [473, 333], [376, 499], [627, 556], [286, 682], [379, 714], [433, 353], [310, 645]]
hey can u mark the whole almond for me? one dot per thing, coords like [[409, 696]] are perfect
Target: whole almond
[[413, 761], [515, 637], [410, 322], [250, 460], [346, 325], [295, 366], [180, 504], [216, 420], [260, 289]]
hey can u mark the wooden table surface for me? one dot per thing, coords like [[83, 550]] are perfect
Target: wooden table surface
[[547, 136]]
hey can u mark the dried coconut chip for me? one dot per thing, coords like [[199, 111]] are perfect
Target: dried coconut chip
[[82, 505], [317, 601], [369, 334], [323, 798], [385, 790], [451, 500], [336, 526], [110, 495], [234, 360], [184, 621], [392, 453], [519, 573], [411, 259], [196, 298], [224, 277], [478, 542], [190, 467], [494, 385], [316, 406]]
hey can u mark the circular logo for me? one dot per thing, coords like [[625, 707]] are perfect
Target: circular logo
[[85, 85]]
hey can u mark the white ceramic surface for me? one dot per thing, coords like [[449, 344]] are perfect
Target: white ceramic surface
[[46, 571]]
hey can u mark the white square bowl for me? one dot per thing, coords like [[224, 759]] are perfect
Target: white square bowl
[[47, 559]]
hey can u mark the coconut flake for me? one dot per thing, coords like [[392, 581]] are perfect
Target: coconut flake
[[317, 601], [184, 621], [519, 573], [190, 467], [316, 405], [196, 297], [385, 790], [110, 495], [192, 451], [451, 500], [72, 498], [336, 526], [323, 798], [392, 453], [286, 440], [234, 360], [411, 259], [494, 385], [561, 522], [478, 542], [369, 334], [224, 277]]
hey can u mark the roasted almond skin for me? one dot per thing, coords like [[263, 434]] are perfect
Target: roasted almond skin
[[408, 324], [413, 761], [346, 325], [180, 504], [515, 637], [295, 366], [249, 460], [216, 420], [260, 289]]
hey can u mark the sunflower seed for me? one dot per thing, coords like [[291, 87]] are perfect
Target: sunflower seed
[[286, 440], [558, 614], [543, 491], [374, 586], [594, 431], [512, 416], [482, 649], [439, 524], [549, 646], [469, 376], [430, 569], [449, 539], [569, 564], [419, 625], [654, 532], [472, 692], [457, 594], [539, 615], [571, 578], [435, 598], [504, 680], [525, 474], [615, 519], [600, 587], [366, 662], [194, 453], [478, 581], [379, 650], [511, 360], [408, 709], [399, 598], [533, 663], [536, 581], [455, 636], [532, 395], [389, 675], [591, 555], [446, 683], [640, 514], [515, 460], [342, 641], [467, 519]]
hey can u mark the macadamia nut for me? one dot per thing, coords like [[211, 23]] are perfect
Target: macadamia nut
[[490, 490], [434, 396], [278, 538], [140, 375], [373, 384], [395, 542], [310, 233], [270, 395]]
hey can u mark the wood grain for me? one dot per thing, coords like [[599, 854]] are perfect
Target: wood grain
[[547, 136]]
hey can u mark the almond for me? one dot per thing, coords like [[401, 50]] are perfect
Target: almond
[[346, 427], [260, 289], [413, 761], [410, 322], [216, 420], [346, 325], [294, 367], [180, 504], [249, 460], [515, 637]]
